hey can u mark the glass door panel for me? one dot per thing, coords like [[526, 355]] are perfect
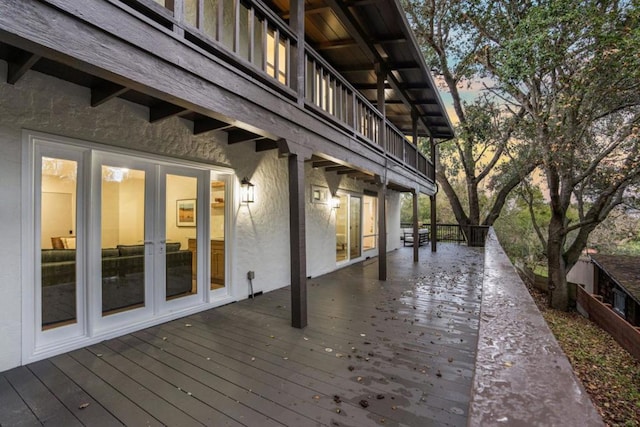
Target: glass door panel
[[58, 277], [341, 229], [181, 236], [355, 228], [369, 222], [217, 234], [123, 239]]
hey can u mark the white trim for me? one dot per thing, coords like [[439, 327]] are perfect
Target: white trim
[[63, 347], [105, 148], [92, 330]]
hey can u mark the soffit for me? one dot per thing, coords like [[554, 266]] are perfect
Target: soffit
[[381, 33]]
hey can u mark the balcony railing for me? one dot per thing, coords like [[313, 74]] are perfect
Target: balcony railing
[[259, 40]]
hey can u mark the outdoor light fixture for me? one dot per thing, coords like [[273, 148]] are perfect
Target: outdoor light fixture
[[335, 202], [247, 193]]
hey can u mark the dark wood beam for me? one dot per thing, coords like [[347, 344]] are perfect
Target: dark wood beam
[[338, 168], [323, 163], [339, 44], [421, 101], [360, 3], [308, 11], [358, 174], [19, 65], [297, 241], [208, 124], [369, 86], [164, 110], [392, 66], [105, 91], [351, 172], [416, 231], [390, 40], [237, 136], [266, 145]]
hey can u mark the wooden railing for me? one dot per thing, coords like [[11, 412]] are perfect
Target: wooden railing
[[256, 39], [473, 235]]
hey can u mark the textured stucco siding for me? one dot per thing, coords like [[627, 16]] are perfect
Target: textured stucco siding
[[260, 237]]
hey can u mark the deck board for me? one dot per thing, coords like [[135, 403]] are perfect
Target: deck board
[[405, 346], [14, 411], [81, 404], [44, 404]]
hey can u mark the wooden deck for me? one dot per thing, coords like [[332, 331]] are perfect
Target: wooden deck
[[400, 352]]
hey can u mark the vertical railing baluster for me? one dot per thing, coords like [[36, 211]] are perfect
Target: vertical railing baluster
[[251, 24], [276, 54], [265, 41]]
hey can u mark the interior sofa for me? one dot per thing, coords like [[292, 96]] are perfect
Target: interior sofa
[[122, 271]]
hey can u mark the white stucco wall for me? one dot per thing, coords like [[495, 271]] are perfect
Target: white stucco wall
[[259, 240]]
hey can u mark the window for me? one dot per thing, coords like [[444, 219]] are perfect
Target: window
[[619, 301]]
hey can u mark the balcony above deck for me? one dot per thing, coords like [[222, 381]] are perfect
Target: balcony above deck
[[357, 87]]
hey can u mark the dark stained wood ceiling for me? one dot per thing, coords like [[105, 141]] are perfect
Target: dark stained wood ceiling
[[375, 30]]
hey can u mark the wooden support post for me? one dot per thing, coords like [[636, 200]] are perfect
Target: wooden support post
[[382, 194], [416, 231], [296, 155], [434, 219], [382, 232]]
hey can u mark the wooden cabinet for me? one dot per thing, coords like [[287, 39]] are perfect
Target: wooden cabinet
[[217, 260]]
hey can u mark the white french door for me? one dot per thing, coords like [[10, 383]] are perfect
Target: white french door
[[119, 242], [148, 215]]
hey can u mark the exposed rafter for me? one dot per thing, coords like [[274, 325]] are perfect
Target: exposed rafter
[[266, 145], [208, 124], [236, 136], [164, 110], [398, 66], [339, 44], [19, 65], [105, 91]]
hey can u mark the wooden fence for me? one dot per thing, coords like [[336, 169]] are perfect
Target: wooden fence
[[627, 335]]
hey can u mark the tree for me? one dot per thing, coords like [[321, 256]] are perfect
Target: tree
[[574, 67], [483, 156]]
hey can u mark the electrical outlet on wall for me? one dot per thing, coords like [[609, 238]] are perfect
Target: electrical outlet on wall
[[251, 275]]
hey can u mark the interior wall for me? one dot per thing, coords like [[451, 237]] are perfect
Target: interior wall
[[180, 188], [54, 185]]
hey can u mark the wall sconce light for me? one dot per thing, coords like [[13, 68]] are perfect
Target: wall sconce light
[[247, 191], [335, 202]]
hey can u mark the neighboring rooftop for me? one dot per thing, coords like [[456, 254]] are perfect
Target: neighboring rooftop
[[624, 269]]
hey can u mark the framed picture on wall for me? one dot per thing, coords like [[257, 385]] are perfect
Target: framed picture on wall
[[319, 194], [186, 213]]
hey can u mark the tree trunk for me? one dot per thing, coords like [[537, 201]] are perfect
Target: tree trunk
[[558, 289]]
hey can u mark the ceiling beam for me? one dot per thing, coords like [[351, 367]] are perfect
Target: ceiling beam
[[105, 91], [208, 124], [352, 26], [360, 3], [307, 11], [338, 44], [236, 136], [19, 65], [323, 163], [265, 145], [338, 169], [164, 110], [397, 66]]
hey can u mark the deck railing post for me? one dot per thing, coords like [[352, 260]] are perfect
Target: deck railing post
[[416, 231], [296, 21]]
